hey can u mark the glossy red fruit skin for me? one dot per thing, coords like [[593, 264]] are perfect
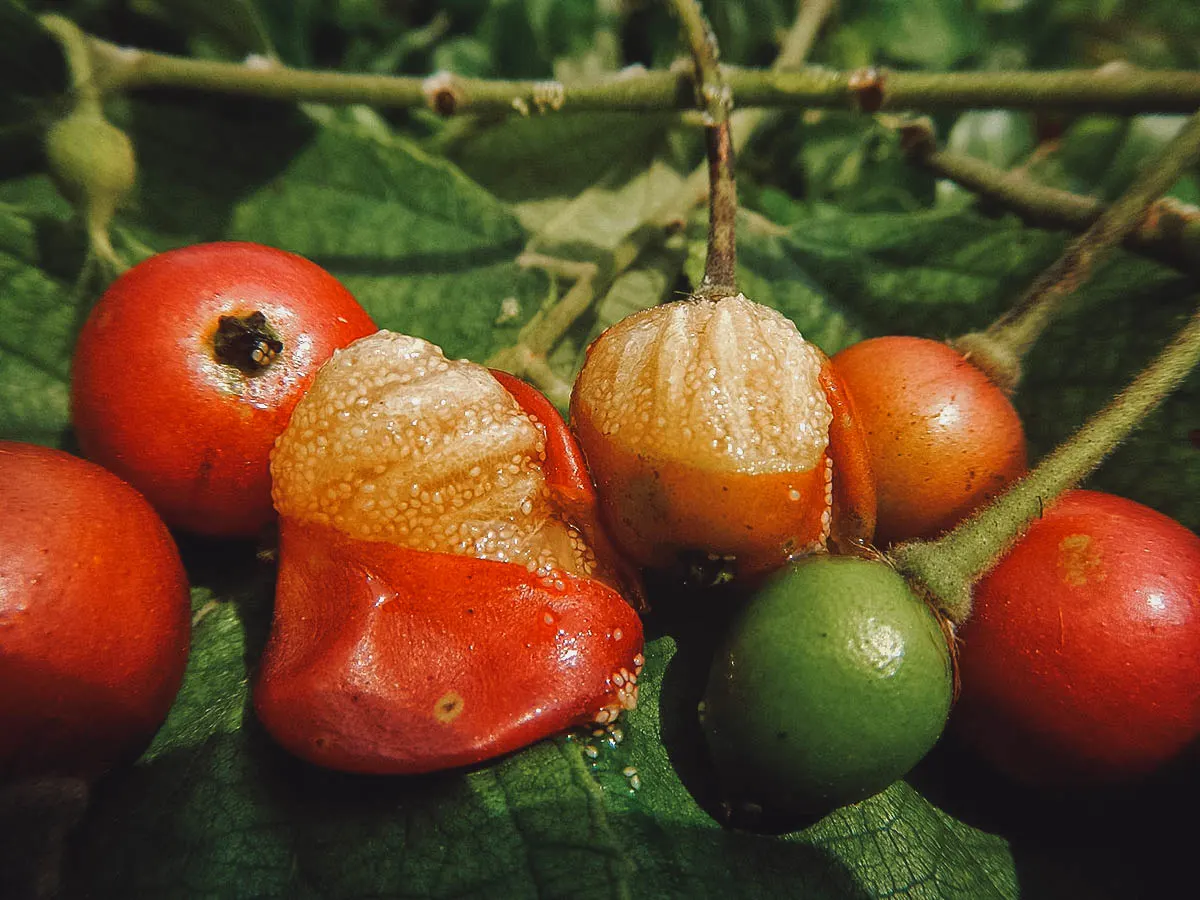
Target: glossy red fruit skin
[[383, 659], [94, 616], [388, 660], [1079, 662], [571, 488], [151, 402], [942, 438]]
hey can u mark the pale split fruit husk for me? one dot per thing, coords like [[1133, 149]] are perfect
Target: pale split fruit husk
[[393, 442]]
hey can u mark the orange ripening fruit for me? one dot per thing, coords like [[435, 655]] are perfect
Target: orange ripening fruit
[[713, 426], [439, 602], [943, 438]]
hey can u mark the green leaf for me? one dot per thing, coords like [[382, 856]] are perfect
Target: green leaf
[[839, 232], [234, 26], [215, 797], [407, 233], [40, 315], [935, 34], [1120, 320], [1000, 137], [529, 159]]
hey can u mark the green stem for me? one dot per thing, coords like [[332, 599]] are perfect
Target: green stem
[[720, 265], [947, 567], [999, 349], [797, 44], [76, 49], [1170, 231], [1131, 91]]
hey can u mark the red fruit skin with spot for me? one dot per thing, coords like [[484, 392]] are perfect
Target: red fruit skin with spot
[[1079, 664], [370, 639], [95, 616], [942, 438], [151, 403], [372, 643]]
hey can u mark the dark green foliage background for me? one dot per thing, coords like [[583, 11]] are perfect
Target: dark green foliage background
[[424, 221]]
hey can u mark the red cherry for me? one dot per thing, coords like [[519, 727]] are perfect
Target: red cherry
[[94, 616], [1079, 662], [188, 368]]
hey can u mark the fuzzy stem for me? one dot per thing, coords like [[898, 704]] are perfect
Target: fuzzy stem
[[1170, 231], [1072, 91], [712, 94], [1010, 337], [720, 266], [793, 52], [947, 567]]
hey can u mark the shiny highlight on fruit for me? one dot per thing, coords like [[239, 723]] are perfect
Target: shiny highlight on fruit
[[943, 439], [834, 681]]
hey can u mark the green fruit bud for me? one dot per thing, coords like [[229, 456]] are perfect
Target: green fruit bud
[[91, 161], [832, 684]]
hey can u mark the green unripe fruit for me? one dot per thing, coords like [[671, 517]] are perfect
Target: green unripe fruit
[[832, 684], [91, 161]]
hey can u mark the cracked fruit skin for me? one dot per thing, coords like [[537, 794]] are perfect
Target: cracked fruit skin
[[1079, 662], [834, 681], [95, 616], [440, 600], [943, 439], [153, 400], [713, 426]]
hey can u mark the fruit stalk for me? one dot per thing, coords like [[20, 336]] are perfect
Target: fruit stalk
[[527, 357], [91, 159], [1076, 91], [947, 567], [715, 98], [75, 47], [998, 350]]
